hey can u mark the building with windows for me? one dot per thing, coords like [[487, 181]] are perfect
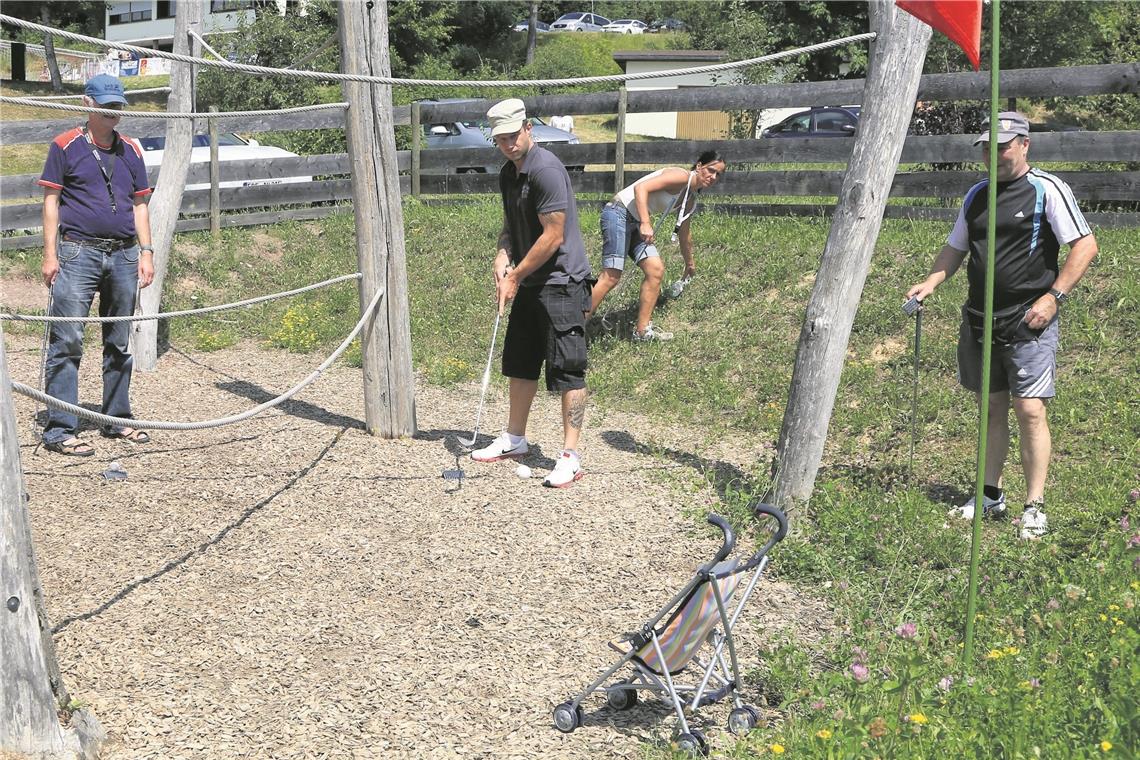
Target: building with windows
[[690, 125], [150, 23]]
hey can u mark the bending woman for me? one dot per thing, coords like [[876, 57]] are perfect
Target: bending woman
[[627, 230]]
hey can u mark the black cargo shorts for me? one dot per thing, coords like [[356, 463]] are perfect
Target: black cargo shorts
[[548, 324]]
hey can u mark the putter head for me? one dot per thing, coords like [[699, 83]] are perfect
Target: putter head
[[912, 307], [467, 444]]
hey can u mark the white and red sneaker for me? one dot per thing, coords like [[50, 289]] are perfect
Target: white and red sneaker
[[566, 470], [502, 448]]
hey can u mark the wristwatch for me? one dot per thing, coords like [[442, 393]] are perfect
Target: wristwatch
[[145, 248], [1058, 295]]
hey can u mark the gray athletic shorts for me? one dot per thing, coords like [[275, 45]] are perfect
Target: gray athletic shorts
[[1027, 369]]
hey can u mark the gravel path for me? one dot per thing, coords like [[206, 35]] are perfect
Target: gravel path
[[293, 588]]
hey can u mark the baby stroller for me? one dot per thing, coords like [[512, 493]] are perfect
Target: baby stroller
[[673, 638]]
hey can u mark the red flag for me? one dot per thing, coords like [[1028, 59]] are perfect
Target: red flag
[[960, 20]]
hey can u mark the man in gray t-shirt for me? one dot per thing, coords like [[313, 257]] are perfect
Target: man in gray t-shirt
[[542, 267]]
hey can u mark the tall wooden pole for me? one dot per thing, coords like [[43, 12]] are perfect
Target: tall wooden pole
[[389, 390], [167, 198], [897, 55], [619, 141], [31, 687]]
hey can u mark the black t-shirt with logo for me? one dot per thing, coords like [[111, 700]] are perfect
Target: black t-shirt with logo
[[1035, 214]]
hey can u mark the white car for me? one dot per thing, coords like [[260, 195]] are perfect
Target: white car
[[579, 22], [626, 26], [230, 148]]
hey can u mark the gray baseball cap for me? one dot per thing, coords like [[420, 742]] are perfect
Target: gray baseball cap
[[1011, 124]]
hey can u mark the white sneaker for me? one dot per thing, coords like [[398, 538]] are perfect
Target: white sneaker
[[992, 508], [1033, 522], [650, 335], [566, 470], [501, 448]]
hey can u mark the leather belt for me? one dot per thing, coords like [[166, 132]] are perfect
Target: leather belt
[[103, 244]]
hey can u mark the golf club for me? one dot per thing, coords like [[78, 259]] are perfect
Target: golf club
[[486, 381], [914, 306]]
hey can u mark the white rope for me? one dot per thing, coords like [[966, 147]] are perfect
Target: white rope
[[38, 98], [337, 77], [160, 425], [206, 46], [172, 115], [184, 313]]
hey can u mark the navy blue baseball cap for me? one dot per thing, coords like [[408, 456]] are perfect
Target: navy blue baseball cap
[[104, 89]]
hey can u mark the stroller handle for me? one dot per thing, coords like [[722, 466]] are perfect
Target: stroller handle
[[729, 538], [760, 510]]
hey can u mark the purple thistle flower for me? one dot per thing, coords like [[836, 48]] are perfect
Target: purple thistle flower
[[1033, 682], [819, 704], [860, 654], [1134, 541], [907, 631], [1124, 524], [859, 672]]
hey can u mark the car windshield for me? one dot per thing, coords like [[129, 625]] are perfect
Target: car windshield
[[200, 141], [571, 17]]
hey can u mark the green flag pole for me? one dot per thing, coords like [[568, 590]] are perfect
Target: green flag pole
[[987, 339]]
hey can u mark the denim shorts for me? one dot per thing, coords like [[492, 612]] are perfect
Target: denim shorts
[[548, 324], [621, 237]]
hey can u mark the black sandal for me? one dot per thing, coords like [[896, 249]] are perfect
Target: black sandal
[[134, 436], [76, 448]]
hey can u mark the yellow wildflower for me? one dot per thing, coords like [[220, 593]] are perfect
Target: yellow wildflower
[[823, 733], [777, 749], [1103, 617], [919, 719], [994, 654], [1113, 607], [1105, 746], [1011, 650]]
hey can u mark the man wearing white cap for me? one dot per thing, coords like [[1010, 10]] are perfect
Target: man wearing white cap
[[1036, 213], [541, 266]]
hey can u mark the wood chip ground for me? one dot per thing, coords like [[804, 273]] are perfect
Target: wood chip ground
[[292, 587]]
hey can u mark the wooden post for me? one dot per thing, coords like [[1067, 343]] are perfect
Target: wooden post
[[897, 56], [31, 687], [215, 181], [167, 198], [619, 141], [417, 131], [386, 344]]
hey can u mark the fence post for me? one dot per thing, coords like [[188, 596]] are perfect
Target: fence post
[[166, 201], [31, 690], [619, 141], [416, 132], [386, 342], [215, 181]]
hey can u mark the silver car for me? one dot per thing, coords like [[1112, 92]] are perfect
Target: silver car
[[477, 134]]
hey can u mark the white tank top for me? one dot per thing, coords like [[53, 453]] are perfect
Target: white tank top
[[660, 201]]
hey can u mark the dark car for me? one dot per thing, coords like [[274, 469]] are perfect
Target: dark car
[[821, 121], [667, 25]]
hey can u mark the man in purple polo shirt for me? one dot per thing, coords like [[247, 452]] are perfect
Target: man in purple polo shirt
[[96, 239]]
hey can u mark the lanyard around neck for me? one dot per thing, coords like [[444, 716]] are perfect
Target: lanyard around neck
[[108, 175], [682, 217]]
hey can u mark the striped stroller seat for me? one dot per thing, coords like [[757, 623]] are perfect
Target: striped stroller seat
[[694, 627]]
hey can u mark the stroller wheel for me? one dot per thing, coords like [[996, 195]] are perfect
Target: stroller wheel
[[693, 743], [742, 720], [568, 717], [619, 698]]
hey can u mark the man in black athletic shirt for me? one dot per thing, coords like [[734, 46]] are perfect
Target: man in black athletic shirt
[[1036, 213]]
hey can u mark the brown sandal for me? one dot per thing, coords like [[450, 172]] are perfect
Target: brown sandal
[[73, 447], [134, 435]]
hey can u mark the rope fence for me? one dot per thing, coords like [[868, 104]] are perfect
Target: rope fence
[[183, 313], [143, 91], [330, 76], [172, 115], [79, 411]]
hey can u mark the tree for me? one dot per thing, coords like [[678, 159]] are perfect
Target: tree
[[84, 17]]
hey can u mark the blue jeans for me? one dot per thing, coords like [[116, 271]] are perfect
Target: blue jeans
[[621, 237], [84, 271]]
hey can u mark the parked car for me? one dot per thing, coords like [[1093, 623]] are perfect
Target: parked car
[[230, 148], [477, 134], [668, 25], [579, 22], [626, 26], [821, 121], [523, 26]]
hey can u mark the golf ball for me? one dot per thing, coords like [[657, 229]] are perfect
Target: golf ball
[[522, 471]]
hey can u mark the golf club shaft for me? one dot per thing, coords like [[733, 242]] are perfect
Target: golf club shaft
[[914, 391], [486, 377]]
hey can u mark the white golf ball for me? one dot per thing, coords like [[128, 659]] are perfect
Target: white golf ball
[[522, 471]]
